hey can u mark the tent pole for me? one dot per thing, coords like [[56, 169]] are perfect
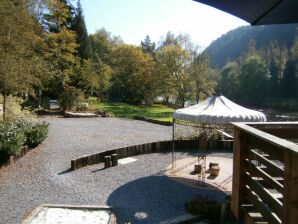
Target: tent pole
[[173, 144]]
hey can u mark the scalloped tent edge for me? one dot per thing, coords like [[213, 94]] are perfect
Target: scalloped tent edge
[[218, 110]]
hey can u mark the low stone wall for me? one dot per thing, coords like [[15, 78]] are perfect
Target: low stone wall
[[153, 147], [13, 158]]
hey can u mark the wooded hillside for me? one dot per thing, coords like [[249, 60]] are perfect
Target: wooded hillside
[[230, 45]]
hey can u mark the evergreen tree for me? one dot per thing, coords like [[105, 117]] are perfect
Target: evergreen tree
[[60, 15], [289, 80], [229, 80], [79, 26], [148, 47], [60, 48]]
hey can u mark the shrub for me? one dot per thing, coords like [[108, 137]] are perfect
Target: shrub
[[70, 98], [34, 132], [105, 113], [82, 106], [11, 139]]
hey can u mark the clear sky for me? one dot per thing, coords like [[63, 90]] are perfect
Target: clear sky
[[134, 19]]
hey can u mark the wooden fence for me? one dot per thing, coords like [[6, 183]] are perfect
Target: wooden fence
[[152, 147], [265, 173]]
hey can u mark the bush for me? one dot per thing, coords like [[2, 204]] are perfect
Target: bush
[[105, 113], [70, 98], [34, 133], [11, 139]]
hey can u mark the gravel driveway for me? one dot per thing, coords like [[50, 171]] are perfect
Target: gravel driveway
[[138, 191]]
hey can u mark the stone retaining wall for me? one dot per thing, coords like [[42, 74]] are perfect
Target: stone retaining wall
[[153, 147]]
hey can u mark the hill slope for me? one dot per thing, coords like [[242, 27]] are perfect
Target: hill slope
[[231, 44]]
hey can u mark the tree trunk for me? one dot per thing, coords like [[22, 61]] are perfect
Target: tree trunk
[[4, 104]]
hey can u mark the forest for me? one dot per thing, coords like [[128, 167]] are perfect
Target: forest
[[47, 53], [258, 65]]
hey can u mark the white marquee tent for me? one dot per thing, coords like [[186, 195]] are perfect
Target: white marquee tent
[[215, 110], [218, 110]]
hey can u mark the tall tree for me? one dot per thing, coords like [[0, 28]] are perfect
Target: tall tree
[[276, 57], [174, 73], [18, 37], [229, 80], [201, 76], [168, 40], [79, 26], [61, 48], [289, 82], [102, 44], [252, 79], [148, 46], [134, 75]]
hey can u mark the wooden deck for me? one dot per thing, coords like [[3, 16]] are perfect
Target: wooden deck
[[265, 172]]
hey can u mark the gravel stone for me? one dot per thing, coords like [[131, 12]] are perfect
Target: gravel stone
[[138, 191]]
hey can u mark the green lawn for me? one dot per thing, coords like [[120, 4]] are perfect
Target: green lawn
[[155, 111]]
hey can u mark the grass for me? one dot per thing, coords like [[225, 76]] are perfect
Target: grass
[[155, 111]]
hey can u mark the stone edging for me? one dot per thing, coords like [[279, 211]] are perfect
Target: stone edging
[[167, 123], [153, 147], [68, 114], [13, 158]]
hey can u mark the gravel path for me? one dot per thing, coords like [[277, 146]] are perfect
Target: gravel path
[[138, 191]]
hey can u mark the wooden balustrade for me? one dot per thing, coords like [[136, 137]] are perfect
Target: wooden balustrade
[[265, 173]]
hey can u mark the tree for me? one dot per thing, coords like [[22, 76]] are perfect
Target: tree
[[174, 74], [252, 79], [102, 44], [276, 57], [201, 76], [59, 15], [18, 41], [289, 81], [148, 47], [86, 78], [229, 80], [78, 25], [60, 49], [169, 40], [134, 75]]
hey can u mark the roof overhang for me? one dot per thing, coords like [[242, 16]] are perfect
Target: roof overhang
[[258, 12]]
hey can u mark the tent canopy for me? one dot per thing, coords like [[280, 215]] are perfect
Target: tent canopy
[[259, 12], [218, 110]]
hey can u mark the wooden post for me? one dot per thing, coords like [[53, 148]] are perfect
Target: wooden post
[[107, 161], [114, 159], [173, 146], [290, 191], [238, 187]]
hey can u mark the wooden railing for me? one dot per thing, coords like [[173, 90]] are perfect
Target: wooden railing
[[265, 173]]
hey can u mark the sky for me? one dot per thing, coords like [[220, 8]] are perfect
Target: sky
[[134, 19]]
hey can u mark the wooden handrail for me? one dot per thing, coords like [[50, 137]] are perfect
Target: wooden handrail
[[276, 141], [264, 164]]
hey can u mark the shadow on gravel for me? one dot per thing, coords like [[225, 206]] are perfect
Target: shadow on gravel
[[97, 170], [65, 171], [154, 199]]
